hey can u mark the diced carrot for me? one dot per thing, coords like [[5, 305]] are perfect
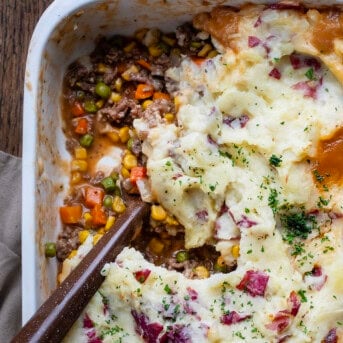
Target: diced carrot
[[77, 109], [82, 126], [71, 214], [160, 95], [144, 91], [198, 60], [98, 214], [93, 196], [144, 64], [137, 173]]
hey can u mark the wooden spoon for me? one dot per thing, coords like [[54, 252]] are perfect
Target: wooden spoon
[[56, 316]]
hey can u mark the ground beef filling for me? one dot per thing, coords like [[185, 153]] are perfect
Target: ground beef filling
[[123, 79]]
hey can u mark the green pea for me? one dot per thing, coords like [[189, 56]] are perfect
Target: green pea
[[90, 106], [182, 256], [130, 143], [50, 249], [86, 140], [219, 268], [115, 176], [108, 201], [108, 184], [103, 90]]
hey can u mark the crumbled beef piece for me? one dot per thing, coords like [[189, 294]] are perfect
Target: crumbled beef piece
[[110, 75], [153, 114], [136, 146], [75, 198], [124, 111], [157, 70], [96, 179], [184, 34], [67, 241], [171, 85], [76, 72], [71, 144], [171, 263], [142, 77], [114, 55], [85, 86], [160, 65]]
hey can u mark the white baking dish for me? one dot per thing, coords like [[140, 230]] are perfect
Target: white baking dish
[[67, 30]]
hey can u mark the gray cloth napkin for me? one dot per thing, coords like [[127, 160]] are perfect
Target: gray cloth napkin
[[10, 246]]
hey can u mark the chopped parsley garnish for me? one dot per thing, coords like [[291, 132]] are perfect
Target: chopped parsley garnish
[[298, 249], [273, 200], [224, 154], [275, 161], [310, 74], [298, 225], [167, 289], [322, 202], [212, 187], [302, 294], [317, 176]]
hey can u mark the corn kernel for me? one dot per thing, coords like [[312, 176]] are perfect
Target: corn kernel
[[100, 103], [118, 84], [109, 223], [127, 73], [72, 254], [221, 261], [80, 153], [155, 50], [76, 177], [102, 68], [96, 238], [83, 234], [235, 251], [130, 46], [156, 246], [168, 40], [202, 272], [212, 53], [101, 231], [146, 104], [169, 117], [113, 136], [87, 217], [124, 134], [171, 221], [196, 44], [129, 161], [205, 50], [177, 102], [118, 205], [141, 33], [158, 213], [115, 97], [125, 173], [79, 165]]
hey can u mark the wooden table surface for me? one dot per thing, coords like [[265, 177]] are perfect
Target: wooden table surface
[[17, 21]]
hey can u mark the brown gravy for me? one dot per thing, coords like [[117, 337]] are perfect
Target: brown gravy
[[221, 23], [326, 30], [327, 165]]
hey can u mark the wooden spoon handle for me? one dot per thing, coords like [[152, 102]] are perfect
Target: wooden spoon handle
[[56, 316]]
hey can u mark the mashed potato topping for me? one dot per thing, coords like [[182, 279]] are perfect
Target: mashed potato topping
[[241, 167]]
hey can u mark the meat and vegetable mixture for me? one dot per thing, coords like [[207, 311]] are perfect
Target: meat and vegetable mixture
[[124, 79]]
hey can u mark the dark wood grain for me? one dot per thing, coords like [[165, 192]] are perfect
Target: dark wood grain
[[17, 21]]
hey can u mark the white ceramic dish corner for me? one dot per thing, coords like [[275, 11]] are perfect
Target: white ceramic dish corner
[[66, 31]]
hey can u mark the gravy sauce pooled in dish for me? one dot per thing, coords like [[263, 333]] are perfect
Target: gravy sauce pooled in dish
[[235, 126]]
